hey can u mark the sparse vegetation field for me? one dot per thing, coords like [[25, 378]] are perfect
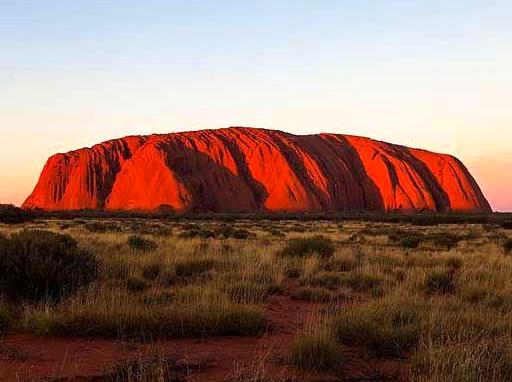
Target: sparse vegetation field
[[153, 299]]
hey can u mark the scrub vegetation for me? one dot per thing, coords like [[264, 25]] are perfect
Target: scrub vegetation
[[292, 299]]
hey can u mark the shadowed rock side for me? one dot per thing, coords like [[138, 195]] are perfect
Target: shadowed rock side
[[245, 169]]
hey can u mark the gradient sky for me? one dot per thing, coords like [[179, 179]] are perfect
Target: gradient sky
[[430, 74]]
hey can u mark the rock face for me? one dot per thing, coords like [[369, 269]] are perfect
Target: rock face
[[243, 169]]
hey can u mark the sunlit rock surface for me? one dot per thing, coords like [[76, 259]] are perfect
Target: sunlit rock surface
[[243, 169]]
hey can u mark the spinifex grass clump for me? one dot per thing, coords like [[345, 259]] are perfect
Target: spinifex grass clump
[[388, 327], [156, 367], [102, 227], [117, 313], [39, 265], [507, 245], [201, 233], [446, 316], [5, 317], [444, 241], [411, 241], [140, 243], [316, 245], [316, 351], [443, 281]]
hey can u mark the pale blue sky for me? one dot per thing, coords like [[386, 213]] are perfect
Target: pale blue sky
[[434, 74]]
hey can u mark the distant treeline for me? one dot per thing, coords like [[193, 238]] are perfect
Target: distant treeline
[[12, 214]]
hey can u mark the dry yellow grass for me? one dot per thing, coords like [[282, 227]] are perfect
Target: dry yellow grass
[[444, 307]]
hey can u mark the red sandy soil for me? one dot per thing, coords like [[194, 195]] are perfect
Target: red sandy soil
[[25, 357], [243, 169]]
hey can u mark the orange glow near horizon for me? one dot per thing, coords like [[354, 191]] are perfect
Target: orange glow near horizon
[[433, 75], [21, 177]]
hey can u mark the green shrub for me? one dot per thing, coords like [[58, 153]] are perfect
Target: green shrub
[[201, 233], [362, 282], [102, 227], [444, 241], [136, 284], [275, 232], [230, 232], [507, 224], [317, 245], [241, 234], [151, 271], [507, 245], [139, 243], [344, 264], [189, 268], [411, 241], [454, 262], [441, 282], [330, 280], [11, 214], [145, 228], [41, 264]]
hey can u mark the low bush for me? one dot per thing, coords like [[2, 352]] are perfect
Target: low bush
[[102, 227], [330, 280], [441, 282], [140, 243], [193, 267], [226, 232], [136, 284], [444, 241], [11, 214], [150, 229], [316, 245], [362, 282], [340, 264], [151, 271], [37, 265], [276, 233], [410, 241], [454, 262], [201, 233], [241, 234], [507, 245], [507, 224]]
